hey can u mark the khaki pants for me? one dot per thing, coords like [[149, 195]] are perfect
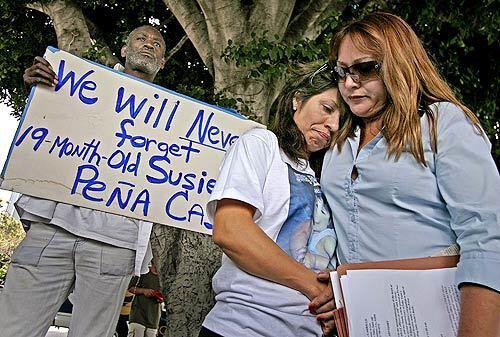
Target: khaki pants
[[139, 330], [50, 263]]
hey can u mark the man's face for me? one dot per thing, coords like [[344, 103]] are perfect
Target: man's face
[[145, 51]]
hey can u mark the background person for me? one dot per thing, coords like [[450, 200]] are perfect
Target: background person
[[145, 313], [410, 172], [74, 248], [263, 206], [122, 325]]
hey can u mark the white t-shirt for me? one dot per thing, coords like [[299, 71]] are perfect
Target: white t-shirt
[[290, 209]]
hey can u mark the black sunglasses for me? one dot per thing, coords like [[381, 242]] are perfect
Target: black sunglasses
[[324, 67], [359, 71]]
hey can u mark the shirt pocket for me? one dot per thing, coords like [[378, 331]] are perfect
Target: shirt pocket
[[117, 261], [33, 245]]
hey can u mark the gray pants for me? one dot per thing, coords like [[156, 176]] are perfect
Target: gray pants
[[51, 262]]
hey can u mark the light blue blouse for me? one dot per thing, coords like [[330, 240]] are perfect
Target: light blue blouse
[[401, 209]]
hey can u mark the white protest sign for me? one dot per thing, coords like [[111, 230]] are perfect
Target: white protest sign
[[105, 140]]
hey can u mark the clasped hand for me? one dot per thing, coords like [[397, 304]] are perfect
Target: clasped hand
[[323, 304]]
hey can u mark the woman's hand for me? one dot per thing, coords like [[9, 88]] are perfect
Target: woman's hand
[[323, 305], [323, 302]]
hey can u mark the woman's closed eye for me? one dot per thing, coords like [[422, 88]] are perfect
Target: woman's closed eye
[[328, 109]]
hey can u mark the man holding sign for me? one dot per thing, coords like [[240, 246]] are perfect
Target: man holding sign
[[70, 248]]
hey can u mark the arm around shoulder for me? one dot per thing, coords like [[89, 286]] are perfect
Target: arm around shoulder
[[248, 246]]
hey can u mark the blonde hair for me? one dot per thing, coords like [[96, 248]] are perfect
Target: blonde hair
[[410, 78]]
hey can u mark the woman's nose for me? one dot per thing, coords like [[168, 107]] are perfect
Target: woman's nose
[[351, 81], [332, 122]]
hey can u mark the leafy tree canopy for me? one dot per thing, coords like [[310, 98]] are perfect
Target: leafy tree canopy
[[461, 36]]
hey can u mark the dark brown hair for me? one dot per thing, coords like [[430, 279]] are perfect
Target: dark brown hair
[[307, 80]]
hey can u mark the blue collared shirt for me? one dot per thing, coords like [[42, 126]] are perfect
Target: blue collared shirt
[[400, 209]]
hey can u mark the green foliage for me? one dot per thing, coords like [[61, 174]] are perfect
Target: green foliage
[[95, 53], [268, 57], [25, 33], [11, 234]]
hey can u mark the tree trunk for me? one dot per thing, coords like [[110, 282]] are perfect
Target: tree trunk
[[211, 24], [75, 33], [69, 23], [187, 261]]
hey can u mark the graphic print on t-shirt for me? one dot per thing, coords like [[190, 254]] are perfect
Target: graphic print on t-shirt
[[307, 235]]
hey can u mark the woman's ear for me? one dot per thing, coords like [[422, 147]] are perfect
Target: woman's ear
[[296, 102]]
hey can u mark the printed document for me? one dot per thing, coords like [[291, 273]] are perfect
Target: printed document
[[401, 303]]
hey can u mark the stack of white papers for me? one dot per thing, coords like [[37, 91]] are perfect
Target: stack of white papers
[[402, 303]]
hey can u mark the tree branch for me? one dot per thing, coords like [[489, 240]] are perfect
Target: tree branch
[[272, 16], [176, 48], [221, 12], [226, 20], [306, 23], [36, 6]]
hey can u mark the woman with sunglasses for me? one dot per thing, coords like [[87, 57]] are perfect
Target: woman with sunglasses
[[271, 220], [410, 172]]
